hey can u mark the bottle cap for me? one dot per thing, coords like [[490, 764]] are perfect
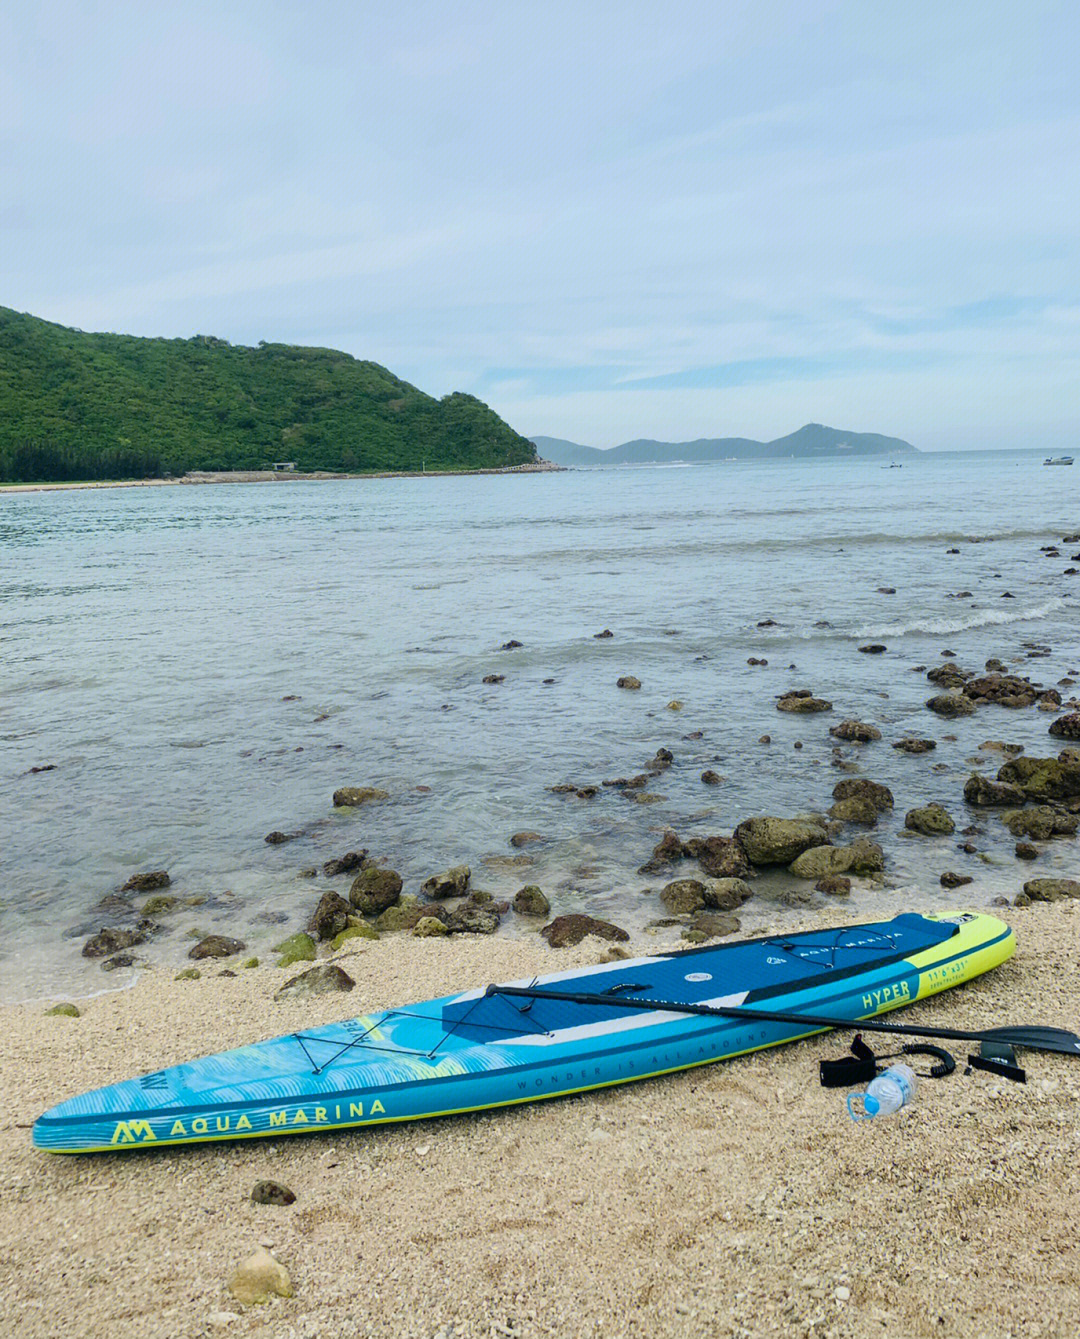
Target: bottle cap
[[871, 1105]]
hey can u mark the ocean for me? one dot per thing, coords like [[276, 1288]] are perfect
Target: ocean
[[198, 666]]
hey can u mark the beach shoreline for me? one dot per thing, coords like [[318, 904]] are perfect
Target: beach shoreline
[[734, 1200], [273, 476]]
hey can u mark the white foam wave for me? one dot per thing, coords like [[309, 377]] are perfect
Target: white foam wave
[[981, 619]]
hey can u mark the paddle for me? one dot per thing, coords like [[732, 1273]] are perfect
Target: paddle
[[1034, 1038]]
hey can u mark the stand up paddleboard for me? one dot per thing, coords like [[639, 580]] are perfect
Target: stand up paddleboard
[[480, 1049]]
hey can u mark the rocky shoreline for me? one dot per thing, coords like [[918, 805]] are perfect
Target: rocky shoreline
[[1035, 798], [920, 797]]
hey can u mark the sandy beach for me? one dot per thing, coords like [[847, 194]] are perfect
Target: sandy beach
[[267, 476], [735, 1200]]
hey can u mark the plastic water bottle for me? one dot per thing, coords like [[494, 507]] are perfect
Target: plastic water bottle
[[887, 1094]]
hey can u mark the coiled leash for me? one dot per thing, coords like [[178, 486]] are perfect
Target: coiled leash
[[862, 1065]]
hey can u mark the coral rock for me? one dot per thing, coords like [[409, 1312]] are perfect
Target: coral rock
[[727, 894], [565, 931], [683, 896], [349, 797], [216, 946], [855, 732], [330, 917], [259, 1278], [530, 901], [951, 705], [1051, 890], [932, 820], [323, 979], [155, 879], [375, 889], [881, 797], [777, 841], [801, 700]]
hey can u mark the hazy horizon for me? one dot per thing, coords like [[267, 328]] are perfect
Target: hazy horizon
[[690, 441], [618, 221]]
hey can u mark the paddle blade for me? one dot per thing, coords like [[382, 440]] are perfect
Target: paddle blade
[[1036, 1038]]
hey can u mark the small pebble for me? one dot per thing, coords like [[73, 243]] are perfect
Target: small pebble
[[271, 1192]]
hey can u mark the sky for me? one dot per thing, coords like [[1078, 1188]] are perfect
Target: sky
[[667, 219]]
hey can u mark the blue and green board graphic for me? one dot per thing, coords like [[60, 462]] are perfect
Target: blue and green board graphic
[[475, 1050]]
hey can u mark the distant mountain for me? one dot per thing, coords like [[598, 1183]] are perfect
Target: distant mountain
[[643, 451], [812, 440], [97, 406], [817, 440], [561, 452]]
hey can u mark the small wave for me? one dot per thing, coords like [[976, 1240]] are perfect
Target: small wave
[[985, 619], [721, 546]]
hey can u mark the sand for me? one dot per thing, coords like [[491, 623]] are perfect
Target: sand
[[734, 1200], [271, 476]]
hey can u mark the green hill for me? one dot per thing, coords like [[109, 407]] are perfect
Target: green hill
[[83, 406]]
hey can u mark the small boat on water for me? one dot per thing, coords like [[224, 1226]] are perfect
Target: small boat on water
[[1058, 460]]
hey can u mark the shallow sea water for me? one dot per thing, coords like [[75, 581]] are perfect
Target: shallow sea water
[[203, 665]]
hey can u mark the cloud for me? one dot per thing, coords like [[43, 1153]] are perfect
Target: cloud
[[666, 211]]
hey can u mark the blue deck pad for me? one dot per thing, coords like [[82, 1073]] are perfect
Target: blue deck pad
[[750, 970]]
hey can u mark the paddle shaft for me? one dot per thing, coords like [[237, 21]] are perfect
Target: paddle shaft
[[1047, 1039]]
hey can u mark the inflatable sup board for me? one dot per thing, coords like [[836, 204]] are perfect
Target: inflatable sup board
[[478, 1049]]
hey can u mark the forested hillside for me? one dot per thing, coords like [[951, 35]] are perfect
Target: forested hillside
[[85, 406]]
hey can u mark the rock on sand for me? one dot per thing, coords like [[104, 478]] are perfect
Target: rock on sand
[[260, 1277]]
